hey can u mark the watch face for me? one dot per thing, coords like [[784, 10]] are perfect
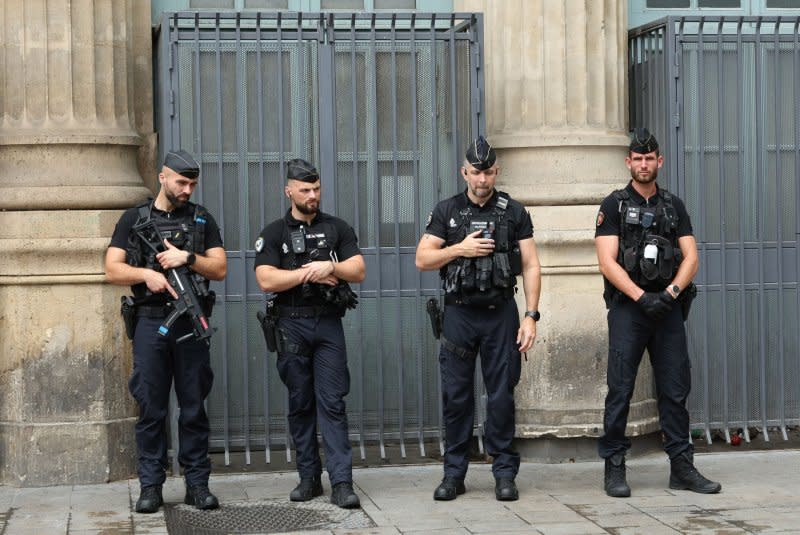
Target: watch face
[[533, 314]]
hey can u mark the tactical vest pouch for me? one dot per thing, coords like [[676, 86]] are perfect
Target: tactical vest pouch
[[515, 260], [629, 258], [501, 271], [468, 274], [483, 273], [128, 311], [452, 278]]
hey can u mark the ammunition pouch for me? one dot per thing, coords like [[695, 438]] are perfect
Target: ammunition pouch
[[685, 299], [501, 271], [128, 311]]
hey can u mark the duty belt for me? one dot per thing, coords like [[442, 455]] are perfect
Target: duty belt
[[162, 311], [283, 311], [457, 300]]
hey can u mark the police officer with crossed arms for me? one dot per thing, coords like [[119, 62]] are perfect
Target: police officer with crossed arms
[[191, 238], [480, 240], [648, 257], [307, 257]]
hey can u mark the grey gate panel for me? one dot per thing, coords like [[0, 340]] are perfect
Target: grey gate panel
[[723, 93], [384, 105]]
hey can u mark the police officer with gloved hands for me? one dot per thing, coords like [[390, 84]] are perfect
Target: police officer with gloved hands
[[307, 258], [480, 240], [648, 257], [191, 238]]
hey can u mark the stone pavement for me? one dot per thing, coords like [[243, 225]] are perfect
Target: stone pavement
[[761, 494]]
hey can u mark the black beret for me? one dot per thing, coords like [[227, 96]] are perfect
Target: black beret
[[480, 154], [643, 141], [182, 163], [299, 169]]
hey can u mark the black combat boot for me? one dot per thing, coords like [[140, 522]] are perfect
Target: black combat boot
[[505, 490], [149, 500], [684, 476], [200, 497], [615, 483], [309, 487], [449, 488], [344, 496]]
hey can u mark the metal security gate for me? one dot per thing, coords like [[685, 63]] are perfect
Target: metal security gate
[[723, 93], [384, 105]]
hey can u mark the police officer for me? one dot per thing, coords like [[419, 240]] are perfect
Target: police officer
[[480, 240], [648, 258], [192, 239], [307, 257]]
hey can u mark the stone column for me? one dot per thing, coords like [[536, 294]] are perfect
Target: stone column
[[76, 134], [556, 111]]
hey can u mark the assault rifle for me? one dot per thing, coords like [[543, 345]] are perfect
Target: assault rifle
[[185, 283]]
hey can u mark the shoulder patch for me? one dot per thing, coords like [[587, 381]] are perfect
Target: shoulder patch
[[430, 218], [259, 244], [600, 218]]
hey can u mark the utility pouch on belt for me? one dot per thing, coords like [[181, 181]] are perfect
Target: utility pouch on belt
[[629, 258], [269, 324], [128, 311], [435, 314], [685, 299]]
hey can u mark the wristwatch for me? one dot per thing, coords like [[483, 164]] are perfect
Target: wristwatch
[[533, 314], [676, 290], [191, 259]]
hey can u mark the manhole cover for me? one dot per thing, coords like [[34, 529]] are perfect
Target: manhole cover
[[265, 516]]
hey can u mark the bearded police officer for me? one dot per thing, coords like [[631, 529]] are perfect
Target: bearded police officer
[[307, 257], [648, 258], [480, 240], [191, 238]]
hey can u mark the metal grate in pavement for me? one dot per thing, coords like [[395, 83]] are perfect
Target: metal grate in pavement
[[265, 516]]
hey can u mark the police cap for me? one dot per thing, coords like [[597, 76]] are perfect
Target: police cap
[[299, 169], [480, 154], [182, 163], [643, 141]]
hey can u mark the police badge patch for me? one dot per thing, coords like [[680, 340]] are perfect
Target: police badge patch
[[285, 248], [259, 244], [600, 218], [430, 218]]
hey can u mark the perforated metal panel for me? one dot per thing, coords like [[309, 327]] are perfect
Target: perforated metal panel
[[723, 96], [384, 105]]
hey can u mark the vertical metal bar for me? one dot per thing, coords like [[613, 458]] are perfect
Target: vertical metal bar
[[262, 215], [742, 231], [761, 181], [241, 119], [357, 222], [678, 149], [396, 202], [377, 225], [779, 230], [438, 190], [703, 243], [327, 113], [221, 192], [417, 323], [796, 51], [723, 241]]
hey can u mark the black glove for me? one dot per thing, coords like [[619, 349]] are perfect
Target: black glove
[[656, 305]]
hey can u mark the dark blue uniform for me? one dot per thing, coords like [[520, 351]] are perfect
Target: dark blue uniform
[[157, 360], [488, 328], [631, 331], [312, 357]]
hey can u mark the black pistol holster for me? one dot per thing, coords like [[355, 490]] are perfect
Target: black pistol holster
[[128, 311], [435, 314], [269, 324]]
